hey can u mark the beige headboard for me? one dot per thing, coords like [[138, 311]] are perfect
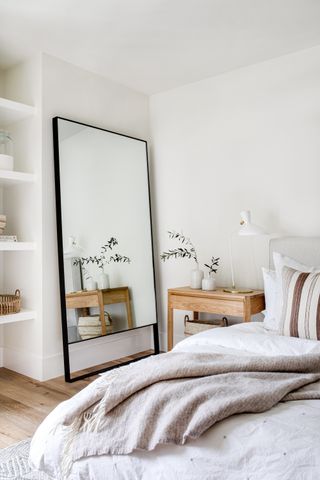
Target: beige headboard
[[304, 249]]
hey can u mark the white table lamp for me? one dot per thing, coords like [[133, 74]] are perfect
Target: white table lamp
[[74, 249], [247, 228]]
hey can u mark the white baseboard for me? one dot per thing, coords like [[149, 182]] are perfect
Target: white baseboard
[[52, 366], [23, 362]]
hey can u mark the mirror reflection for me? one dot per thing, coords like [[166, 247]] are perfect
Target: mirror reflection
[[106, 232]]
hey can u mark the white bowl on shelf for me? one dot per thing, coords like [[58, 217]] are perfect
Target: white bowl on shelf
[[6, 162]]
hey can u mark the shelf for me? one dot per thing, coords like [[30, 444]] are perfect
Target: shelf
[[11, 112], [8, 177], [17, 317], [17, 246]]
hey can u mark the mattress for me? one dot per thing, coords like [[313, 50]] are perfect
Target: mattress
[[282, 443]]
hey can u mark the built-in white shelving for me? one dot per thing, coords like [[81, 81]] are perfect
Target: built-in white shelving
[[17, 246], [17, 317], [11, 111], [20, 193], [8, 178]]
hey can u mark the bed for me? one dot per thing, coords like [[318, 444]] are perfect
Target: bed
[[280, 443]]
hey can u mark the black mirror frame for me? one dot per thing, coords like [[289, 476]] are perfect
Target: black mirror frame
[[66, 356]]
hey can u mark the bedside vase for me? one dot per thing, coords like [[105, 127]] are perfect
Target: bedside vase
[[209, 283], [196, 278]]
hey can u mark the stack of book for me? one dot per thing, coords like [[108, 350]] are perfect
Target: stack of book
[[8, 238], [3, 223], [5, 238]]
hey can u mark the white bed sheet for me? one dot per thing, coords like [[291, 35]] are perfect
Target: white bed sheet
[[280, 444]]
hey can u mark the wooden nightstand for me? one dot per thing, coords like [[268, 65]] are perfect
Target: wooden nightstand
[[222, 303]]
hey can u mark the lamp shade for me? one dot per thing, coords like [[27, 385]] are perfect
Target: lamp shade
[[247, 227], [74, 249]]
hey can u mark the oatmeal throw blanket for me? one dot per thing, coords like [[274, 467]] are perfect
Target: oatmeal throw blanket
[[177, 396]]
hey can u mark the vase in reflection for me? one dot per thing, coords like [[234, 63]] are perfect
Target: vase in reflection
[[103, 281], [90, 284]]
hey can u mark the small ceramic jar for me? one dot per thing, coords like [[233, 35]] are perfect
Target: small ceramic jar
[[103, 281], [209, 283]]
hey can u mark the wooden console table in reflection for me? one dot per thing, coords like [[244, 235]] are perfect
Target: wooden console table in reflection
[[85, 299]]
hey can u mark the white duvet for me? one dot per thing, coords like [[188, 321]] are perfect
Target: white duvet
[[280, 444]]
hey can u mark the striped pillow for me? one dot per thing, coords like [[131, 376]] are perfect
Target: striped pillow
[[301, 304]]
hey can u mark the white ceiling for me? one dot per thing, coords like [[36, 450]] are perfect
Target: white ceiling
[[155, 45]]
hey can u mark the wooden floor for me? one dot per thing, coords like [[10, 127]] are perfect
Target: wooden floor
[[25, 402]]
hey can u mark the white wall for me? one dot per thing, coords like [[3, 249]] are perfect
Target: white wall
[[248, 139], [71, 92]]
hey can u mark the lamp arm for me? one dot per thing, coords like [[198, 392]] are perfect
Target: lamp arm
[[231, 262]]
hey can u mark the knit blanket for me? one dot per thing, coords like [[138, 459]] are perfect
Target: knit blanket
[[176, 396]]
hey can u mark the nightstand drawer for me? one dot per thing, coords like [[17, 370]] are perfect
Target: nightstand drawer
[[206, 305]]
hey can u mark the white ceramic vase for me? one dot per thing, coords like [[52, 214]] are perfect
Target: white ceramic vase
[[103, 281], [196, 278], [90, 284], [6, 162], [209, 283]]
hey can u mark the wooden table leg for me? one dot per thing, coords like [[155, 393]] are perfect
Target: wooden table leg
[[170, 328], [101, 308], [247, 309], [128, 307]]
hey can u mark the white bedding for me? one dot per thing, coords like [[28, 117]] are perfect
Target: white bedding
[[282, 443]]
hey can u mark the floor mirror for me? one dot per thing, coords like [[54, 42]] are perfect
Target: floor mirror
[[105, 248]]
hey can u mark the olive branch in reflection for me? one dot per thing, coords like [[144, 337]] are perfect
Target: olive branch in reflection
[[103, 258]]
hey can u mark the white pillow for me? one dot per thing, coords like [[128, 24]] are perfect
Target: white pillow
[[281, 261], [270, 288]]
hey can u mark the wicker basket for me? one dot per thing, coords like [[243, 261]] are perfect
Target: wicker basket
[[10, 303], [192, 327], [90, 326]]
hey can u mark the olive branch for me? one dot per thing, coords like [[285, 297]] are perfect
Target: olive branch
[[213, 267], [188, 251]]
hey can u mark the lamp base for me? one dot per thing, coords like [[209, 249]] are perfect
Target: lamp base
[[237, 290]]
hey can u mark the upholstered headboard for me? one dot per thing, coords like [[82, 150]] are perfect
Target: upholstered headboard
[[304, 249]]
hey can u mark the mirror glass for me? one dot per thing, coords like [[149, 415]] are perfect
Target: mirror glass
[[108, 274]]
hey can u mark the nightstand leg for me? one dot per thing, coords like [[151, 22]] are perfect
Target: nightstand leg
[[170, 328], [102, 318], [247, 310]]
